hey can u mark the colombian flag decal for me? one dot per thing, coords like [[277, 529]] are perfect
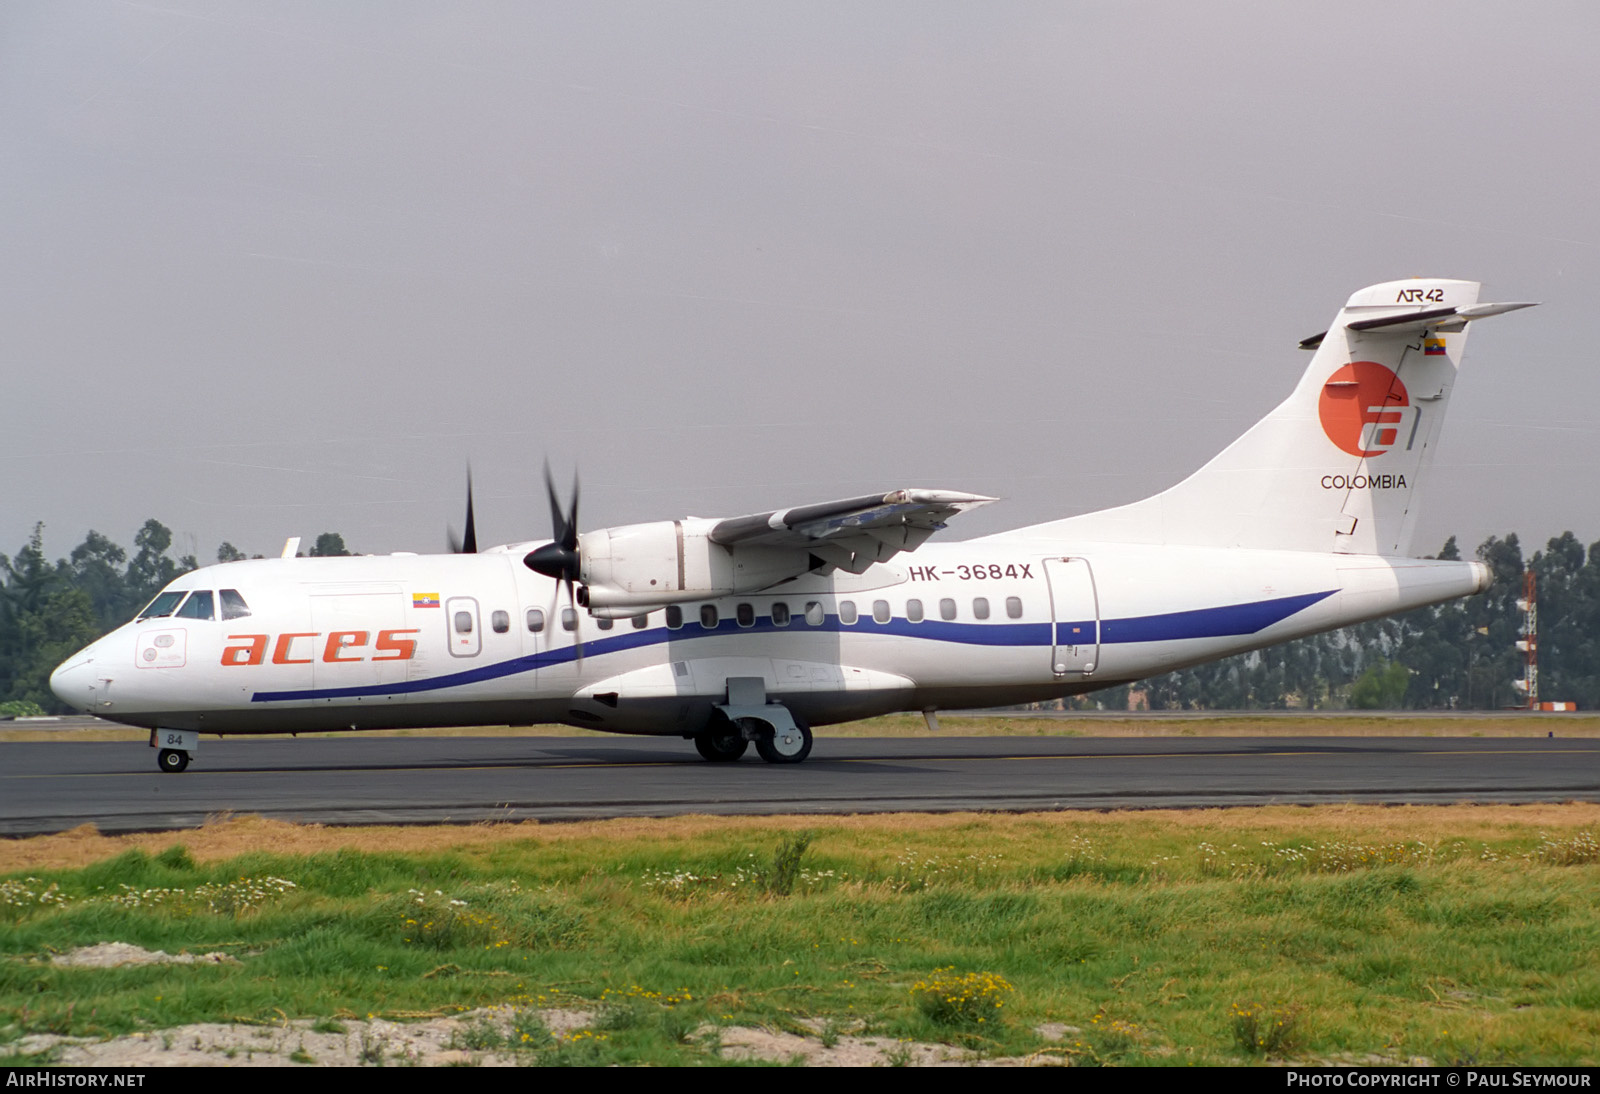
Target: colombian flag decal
[[1432, 347], [424, 600]]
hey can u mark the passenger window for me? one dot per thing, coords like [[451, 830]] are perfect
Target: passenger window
[[914, 611], [501, 622], [535, 620], [980, 607], [463, 622], [746, 614], [780, 614], [198, 606], [674, 617], [641, 621], [162, 606], [605, 624], [569, 619], [880, 611], [814, 613], [1014, 607], [847, 612], [708, 616], [947, 608], [233, 605]]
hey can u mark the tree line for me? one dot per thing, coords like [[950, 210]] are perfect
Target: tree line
[[1458, 655]]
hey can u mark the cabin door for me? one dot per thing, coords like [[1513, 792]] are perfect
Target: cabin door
[[1075, 617]]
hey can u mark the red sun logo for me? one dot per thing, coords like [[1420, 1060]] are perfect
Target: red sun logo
[[1366, 411]]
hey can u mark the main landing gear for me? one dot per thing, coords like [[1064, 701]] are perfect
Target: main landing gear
[[785, 745], [779, 737], [722, 743]]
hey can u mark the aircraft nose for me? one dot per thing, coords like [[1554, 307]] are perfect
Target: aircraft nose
[[73, 681]]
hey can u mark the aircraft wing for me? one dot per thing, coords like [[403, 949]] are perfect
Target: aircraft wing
[[851, 533]]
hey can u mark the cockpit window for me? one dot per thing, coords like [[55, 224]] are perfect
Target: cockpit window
[[162, 606], [198, 606], [233, 605]]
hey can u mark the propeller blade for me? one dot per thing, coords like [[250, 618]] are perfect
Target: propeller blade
[[558, 523], [468, 544], [577, 633], [570, 542], [559, 619], [559, 558]]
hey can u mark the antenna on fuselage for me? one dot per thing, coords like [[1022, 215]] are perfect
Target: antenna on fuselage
[[291, 547]]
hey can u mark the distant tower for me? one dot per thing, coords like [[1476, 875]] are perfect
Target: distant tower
[[1528, 605]]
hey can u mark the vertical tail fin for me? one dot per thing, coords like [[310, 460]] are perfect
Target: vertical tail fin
[[1338, 465]]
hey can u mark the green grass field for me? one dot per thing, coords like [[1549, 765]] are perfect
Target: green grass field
[[1349, 934]]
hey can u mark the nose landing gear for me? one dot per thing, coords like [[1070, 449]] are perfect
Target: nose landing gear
[[177, 748]]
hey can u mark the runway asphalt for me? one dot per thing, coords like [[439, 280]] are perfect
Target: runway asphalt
[[55, 785]]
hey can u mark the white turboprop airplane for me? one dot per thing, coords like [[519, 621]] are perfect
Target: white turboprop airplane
[[754, 628]]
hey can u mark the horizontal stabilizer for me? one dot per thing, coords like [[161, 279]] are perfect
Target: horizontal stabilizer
[[1443, 319]]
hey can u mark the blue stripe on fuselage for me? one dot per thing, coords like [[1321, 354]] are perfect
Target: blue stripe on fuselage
[[1226, 621]]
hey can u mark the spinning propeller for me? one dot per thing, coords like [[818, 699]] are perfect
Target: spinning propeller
[[559, 559]]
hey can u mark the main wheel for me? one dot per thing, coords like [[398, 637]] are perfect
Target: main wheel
[[722, 743], [785, 746], [172, 760]]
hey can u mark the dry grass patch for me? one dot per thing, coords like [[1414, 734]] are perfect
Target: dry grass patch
[[229, 837]]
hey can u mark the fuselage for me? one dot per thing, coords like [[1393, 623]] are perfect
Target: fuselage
[[307, 644]]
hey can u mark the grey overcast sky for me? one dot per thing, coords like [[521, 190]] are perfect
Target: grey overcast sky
[[275, 269]]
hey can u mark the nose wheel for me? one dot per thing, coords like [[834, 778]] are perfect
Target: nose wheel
[[172, 760]]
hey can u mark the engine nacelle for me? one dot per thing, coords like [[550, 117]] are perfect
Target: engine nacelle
[[638, 567]]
